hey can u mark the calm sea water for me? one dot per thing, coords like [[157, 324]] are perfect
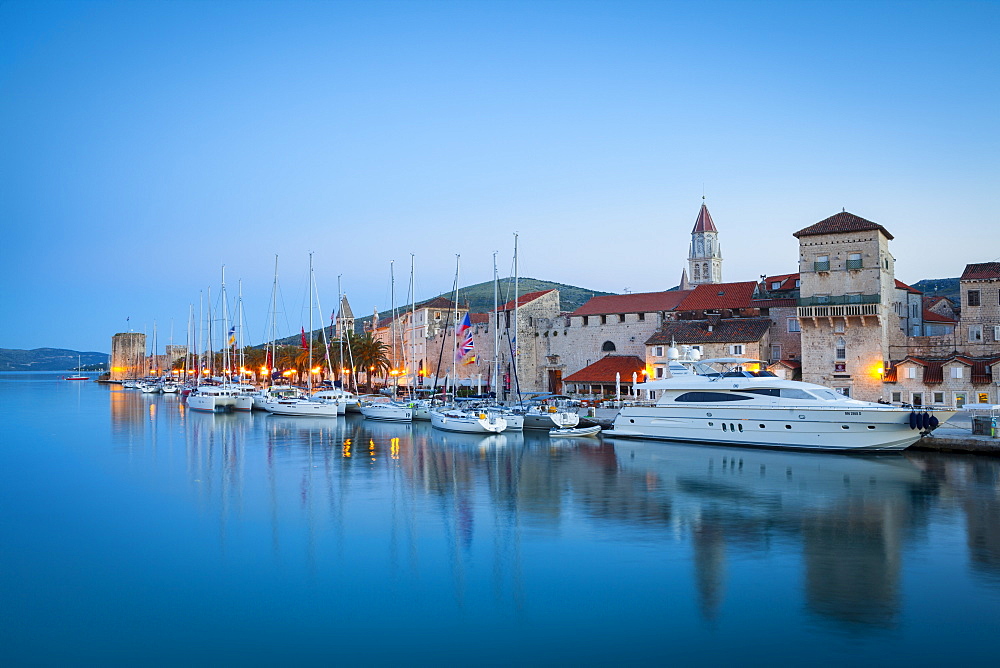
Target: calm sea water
[[135, 532]]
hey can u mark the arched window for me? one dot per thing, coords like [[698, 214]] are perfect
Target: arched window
[[840, 349], [608, 347], [697, 272]]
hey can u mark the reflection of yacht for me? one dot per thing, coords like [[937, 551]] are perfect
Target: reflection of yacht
[[719, 401]]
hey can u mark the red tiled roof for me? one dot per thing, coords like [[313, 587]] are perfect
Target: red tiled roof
[[787, 282], [604, 370], [437, 302], [791, 364], [774, 303], [981, 270], [479, 318], [639, 302], [711, 296], [841, 222], [524, 299], [729, 330], [903, 286], [934, 373], [931, 316], [704, 221]]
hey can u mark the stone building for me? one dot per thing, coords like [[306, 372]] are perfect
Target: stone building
[[609, 324], [128, 356], [847, 298]]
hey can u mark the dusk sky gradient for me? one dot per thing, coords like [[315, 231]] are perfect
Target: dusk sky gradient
[[145, 144]]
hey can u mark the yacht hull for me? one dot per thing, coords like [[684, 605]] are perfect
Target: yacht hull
[[468, 423], [830, 430]]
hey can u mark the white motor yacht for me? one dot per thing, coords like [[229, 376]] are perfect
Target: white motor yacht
[[301, 407], [273, 392], [722, 402]]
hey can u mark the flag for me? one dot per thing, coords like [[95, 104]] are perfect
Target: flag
[[232, 335], [467, 348], [464, 325], [305, 346]]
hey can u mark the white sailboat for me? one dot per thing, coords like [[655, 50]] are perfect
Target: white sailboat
[[458, 419]]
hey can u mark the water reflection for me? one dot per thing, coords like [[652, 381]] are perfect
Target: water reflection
[[846, 522]]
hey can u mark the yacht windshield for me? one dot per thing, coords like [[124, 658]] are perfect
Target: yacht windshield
[[827, 395]]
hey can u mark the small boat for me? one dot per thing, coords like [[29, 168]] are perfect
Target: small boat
[[565, 432], [78, 376]]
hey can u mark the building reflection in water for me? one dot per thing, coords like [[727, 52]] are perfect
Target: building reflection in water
[[322, 481]]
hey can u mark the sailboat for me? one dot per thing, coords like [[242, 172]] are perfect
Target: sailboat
[[78, 376], [384, 409], [307, 406], [471, 420]]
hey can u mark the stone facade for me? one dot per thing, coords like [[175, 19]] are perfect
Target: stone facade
[[979, 326], [128, 356], [846, 304]]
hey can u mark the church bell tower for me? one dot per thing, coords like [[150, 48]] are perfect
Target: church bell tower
[[705, 256]]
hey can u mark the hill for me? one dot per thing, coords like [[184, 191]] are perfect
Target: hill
[[480, 299], [48, 359], [944, 287]]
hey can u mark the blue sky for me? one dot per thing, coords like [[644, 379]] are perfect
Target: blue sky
[[145, 144]]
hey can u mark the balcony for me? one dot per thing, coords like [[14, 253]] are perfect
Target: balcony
[[839, 300], [821, 266], [839, 311]]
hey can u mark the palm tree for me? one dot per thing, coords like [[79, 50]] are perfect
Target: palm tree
[[370, 355]]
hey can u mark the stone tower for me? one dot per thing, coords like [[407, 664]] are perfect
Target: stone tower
[[128, 356], [345, 318], [705, 255], [845, 309]]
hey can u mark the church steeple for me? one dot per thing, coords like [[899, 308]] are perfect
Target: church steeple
[[705, 255]]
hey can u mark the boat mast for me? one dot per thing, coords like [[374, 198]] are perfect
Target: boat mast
[[274, 333], [454, 352], [413, 330], [198, 361], [392, 327], [226, 366], [340, 333], [239, 319], [309, 378], [496, 330]]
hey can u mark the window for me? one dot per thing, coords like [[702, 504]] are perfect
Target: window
[[822, 263], [975, 333], [775, 285], [917, 398], [659, 372], [984, 398], [711, 397], [939, 397], [840, 349], [621, 317], [793, 325], [960, 399], [642, 316], [736, 349], [845, 391], [956, 372], [838, 327], [996, 332], [604, 319], [854, 260], [775, 352], [897, 397], [608, 347], [697, 272], [797, 282], [437, 315], [909, 372], [586, 320], [972, 298], [657, 351]]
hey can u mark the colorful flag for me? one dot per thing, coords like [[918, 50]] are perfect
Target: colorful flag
[[464, 325], [232, 335], [305, 346], [467, 348]]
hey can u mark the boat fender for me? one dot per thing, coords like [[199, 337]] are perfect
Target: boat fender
[[934, 422], [913, 420], [925, 420]]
